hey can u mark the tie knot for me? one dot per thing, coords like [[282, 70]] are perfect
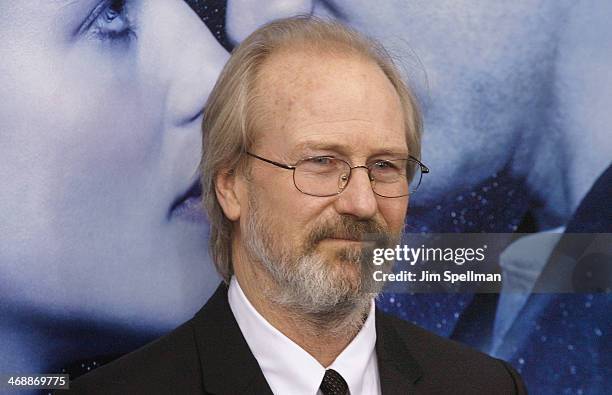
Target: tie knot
[[333, 383]]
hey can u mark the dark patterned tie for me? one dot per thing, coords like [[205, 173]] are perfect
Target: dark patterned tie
[[333, 383]]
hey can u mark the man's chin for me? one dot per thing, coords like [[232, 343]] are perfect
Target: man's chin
[[349, 276]]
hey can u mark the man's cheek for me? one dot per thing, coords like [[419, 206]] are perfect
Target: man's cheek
[[392, 224]]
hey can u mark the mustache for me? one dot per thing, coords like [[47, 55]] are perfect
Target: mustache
[[350, 229]]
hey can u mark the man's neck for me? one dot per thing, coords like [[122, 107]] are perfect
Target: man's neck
[[319, 341]]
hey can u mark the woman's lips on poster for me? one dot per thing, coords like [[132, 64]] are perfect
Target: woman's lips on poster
[[188, 206]]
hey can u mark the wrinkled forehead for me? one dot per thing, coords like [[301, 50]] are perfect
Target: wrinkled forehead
[[308, 92]]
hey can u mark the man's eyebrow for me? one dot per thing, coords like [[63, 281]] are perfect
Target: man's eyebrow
[[320, 145], [343, 149], [397, 153]]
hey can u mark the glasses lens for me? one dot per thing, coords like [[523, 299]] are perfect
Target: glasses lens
[[394, 178], [327, 176], [415, 175], [321, 176]]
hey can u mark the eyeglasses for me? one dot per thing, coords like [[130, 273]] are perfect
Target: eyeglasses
[[328, 176]]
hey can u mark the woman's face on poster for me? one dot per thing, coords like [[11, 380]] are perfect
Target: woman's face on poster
[[100, 111]]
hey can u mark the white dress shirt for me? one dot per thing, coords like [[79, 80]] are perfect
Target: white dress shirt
[[289, 369]]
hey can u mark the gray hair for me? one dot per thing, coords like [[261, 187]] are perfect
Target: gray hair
[[229, 119]]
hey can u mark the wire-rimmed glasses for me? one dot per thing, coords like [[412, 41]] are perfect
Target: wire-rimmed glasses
[[324, 176]]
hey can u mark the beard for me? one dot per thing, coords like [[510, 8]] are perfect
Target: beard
[[331, 290]]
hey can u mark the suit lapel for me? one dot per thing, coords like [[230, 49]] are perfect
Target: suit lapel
[[398, 370], [228, 366]]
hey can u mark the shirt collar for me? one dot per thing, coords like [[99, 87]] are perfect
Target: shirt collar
[[285, 365]]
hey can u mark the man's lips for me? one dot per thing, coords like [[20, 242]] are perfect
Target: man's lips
[[188, 206], [343, 239], [344, 236], [365, 240]]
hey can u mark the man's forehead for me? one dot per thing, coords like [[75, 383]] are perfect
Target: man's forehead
[[316, 91], [290, 71]]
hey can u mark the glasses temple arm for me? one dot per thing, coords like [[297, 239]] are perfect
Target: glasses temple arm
[[288, 167], [424, 169]]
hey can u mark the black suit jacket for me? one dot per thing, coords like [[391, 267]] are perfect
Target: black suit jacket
[[209, 355]]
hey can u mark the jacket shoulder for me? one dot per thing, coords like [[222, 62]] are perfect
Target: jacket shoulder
[[168, 365], [447, 364]]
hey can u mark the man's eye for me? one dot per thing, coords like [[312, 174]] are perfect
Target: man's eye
[[384, 165], [319, 165], [322, 160], [109, 21]]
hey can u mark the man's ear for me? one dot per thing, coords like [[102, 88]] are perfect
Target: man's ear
[[226, 189]]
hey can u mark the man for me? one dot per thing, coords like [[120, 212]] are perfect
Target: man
[[311, 141], [516, 103]]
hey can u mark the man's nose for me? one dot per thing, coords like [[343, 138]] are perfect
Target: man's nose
[[358, 198]]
